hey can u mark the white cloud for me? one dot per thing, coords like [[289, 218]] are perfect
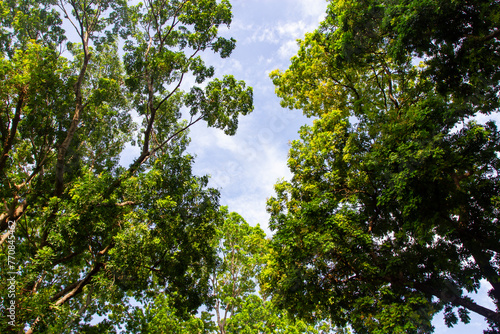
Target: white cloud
[[279, 32], [288, 49], [265, 34], [245, 167], [314, 8], [249, 178], [293, 29]]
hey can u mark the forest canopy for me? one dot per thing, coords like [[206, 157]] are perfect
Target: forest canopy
[[91, 237], [392, 211], [390, 215]]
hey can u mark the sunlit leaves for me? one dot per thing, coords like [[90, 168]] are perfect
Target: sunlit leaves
[[390, 174], [221, 102], [93, 234]]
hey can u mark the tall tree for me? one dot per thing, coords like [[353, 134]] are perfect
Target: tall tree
[[239, 305], [236, 306], [392, 211], [82, 235], [242, 250]]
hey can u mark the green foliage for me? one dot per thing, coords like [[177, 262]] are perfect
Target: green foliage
[[259, 316], [243, 254], [391, 213], [93, 237], [241, 250], [161, 317], [458, 40], [236, 307]]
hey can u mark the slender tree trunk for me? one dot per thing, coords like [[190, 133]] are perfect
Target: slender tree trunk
[[63, 148]]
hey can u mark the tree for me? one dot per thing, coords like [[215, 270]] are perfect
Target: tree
[[458, 40], [392, 211], [82, 235], [241, 250], [235, 307], [243, 253], [258, 315], [160, 316]]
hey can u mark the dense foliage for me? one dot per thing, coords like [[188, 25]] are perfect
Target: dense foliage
[[392, 212], [391, 215], [237, 306], [81, 235]]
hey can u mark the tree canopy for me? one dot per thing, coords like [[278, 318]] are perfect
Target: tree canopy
[[392, 211], [81, 235], [390, 217], [237, 305]]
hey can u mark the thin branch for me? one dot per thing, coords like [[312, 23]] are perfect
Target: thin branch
[[105, 250], [174, 23], [10, 139], [380, 86], [176, 133], [458, 301], [172, 92], [152, 111], [35, 171], [63, 8], [179, 83], [38, 282], [391, 95], [83, 308], [95, 20], [149, 46], [77, 287]]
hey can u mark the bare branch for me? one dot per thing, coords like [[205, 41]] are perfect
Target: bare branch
[[63, 8]]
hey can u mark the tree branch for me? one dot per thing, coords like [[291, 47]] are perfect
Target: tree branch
[[458, 301], [75, 288], [61, 155], [13, 214], [8, 143]]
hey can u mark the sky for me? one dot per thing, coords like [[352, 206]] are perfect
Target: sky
[[245, 167]]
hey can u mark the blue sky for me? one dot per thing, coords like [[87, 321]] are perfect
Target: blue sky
[[246, 166]]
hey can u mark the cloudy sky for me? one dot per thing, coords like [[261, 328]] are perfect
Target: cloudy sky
[[246, 166]]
